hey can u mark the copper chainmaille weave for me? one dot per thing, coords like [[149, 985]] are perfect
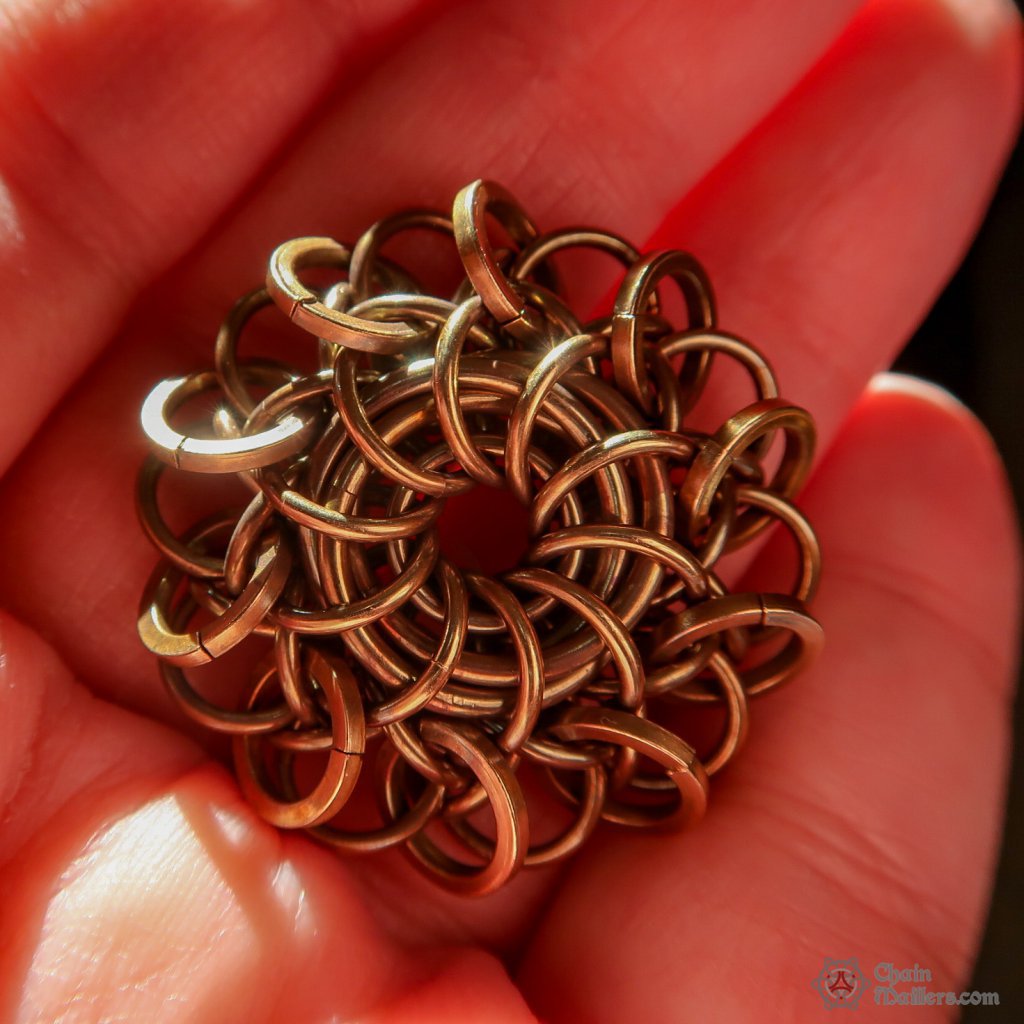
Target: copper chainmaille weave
[[588, 667]]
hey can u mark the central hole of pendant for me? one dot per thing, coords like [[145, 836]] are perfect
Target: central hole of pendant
[[484, 530]]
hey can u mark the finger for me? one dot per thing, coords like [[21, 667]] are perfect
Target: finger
[[152, 172], [99, 584], [125, 129], [945, 93], [101, 415], [587, 119], [138, 886], [861, 820], [831, 229]]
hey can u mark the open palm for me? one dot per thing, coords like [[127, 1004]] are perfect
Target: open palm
[[827, 162]]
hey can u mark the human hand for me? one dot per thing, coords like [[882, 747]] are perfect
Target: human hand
[[150, 157]]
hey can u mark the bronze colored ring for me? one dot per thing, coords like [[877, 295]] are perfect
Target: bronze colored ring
[[341, 298], [419, 693], [348, 730], [433, 766], [376, 450], [198, 646], [709, 547], [343, 526], [209, 596], [209, 715], [627, 337], [671, 399], [601, 454], [182, 555], [542, 378], [249, 530], [529, 659], [537, 252], [672, 677], [744, 610], [307, 310], [588, 817], [212, 716], [717, 455], [446, 386], [698, 342], [394, 832], [288, 661], [225, 349], [498, 781], [736, 707], [470, 210], [366, 252], [361, 612], [664, 550], [602, 620], [284, 439], [809, 550], [430, 310], [608, 725], [546, 318]]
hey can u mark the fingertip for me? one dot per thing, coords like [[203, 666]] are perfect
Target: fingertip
[[916, 404], [928, 417], [992, 30], [936, 484], [983, 21], [831, 228], [989, 33], [469, 984]]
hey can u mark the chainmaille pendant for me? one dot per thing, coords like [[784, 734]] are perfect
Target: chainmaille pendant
[[380, 663]]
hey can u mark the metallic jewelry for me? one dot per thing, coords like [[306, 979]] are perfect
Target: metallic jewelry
[[378, 662]]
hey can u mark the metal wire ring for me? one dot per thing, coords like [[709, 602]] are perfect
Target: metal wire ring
[[181, 554], [198, 646], [744, 610], [738, 433], [284, 439], [307, 310], [472, 204], [627, 335], [506, 800], [588, 808], [344, 759], [608, 725]]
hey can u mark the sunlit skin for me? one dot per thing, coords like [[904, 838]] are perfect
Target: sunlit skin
[[828, 162]]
